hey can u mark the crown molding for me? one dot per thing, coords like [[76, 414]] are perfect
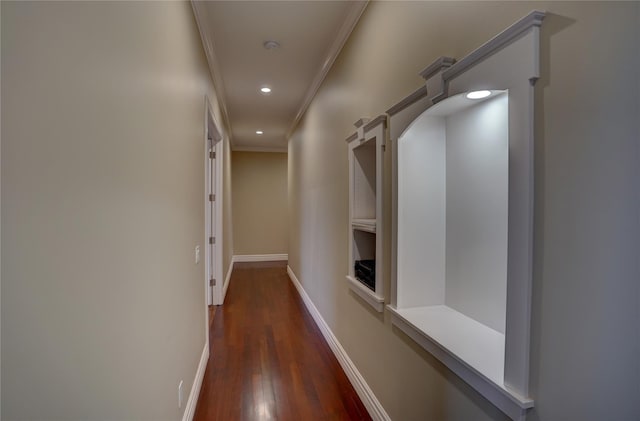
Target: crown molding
[[212, 61], [281, 149], [495, 44], [381, 119], [342, 36], [438, 65], [416, 95]]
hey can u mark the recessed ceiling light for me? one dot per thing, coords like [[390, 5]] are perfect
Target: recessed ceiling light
[[265, 90], [259, 132], [271, 45], [478, 94]]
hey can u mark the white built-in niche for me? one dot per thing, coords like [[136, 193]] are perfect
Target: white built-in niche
[[366, 146], [463, 214]]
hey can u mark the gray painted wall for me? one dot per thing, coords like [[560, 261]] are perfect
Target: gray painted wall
[[103, 308], [260, 203], [586, 293]]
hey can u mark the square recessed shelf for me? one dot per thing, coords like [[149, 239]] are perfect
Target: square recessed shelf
[[364, 276], [477, 345], [368, 225], [364, 180]]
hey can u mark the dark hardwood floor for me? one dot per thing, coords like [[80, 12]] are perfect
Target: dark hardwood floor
[[268, 359]]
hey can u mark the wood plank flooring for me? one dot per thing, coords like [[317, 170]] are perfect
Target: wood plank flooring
[[268, 359]]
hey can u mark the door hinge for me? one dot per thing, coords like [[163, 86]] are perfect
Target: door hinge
[[212, 240], [212, 282], [212, 198], [212, 155]]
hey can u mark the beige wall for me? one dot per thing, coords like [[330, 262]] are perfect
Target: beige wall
[[0, 216], [585, 336], [260, 203], [102, 205]]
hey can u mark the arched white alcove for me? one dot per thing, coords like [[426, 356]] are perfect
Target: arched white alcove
[[463, 214]]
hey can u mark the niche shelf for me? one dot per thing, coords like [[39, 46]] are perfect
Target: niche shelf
[[366, 147], [462, 200]]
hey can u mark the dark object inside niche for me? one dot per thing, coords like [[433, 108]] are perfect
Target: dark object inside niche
[[365, 271]]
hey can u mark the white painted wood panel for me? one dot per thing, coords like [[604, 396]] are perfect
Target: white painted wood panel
[[479, 283], [364, 245], [366, 148], [477, 160], [364, 180], [474, 343], [421, 213]]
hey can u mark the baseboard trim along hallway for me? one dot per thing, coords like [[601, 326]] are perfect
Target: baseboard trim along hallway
[[190, 407], [373, 405], [269, 358], [227, 278], [260, 257], [249, 258]]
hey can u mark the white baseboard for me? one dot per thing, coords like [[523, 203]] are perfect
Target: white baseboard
[[190, 407], [227, 278], [373, 405], [260, 257]]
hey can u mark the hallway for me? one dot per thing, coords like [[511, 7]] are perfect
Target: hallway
[[385, 245], [268, 358]]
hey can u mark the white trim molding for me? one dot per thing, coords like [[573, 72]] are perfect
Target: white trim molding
[[276, 149], [190, 407], [227, 278], [212, 60], [368, 398], [366, 294], [260, 257], [220, 209], [366, 153], [509, 62], [353, 16], [214, 140]]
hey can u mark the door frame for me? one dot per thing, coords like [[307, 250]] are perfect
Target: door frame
[[213, 141]]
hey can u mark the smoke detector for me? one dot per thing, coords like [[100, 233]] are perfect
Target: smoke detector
[[271, 45]]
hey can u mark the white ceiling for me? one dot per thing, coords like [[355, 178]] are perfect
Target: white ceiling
[[311, 34]]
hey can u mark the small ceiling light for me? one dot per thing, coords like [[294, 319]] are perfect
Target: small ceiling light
[[271, 45], [478, 94], [265, 90], [259, 132]]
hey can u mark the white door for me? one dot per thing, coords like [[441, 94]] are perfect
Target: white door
[[213, 210], [211, 215]]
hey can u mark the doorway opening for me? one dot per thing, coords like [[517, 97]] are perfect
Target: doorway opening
[[214, 150]]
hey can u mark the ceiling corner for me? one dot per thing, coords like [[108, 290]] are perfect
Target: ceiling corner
[[212, 61], [331, 55]]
